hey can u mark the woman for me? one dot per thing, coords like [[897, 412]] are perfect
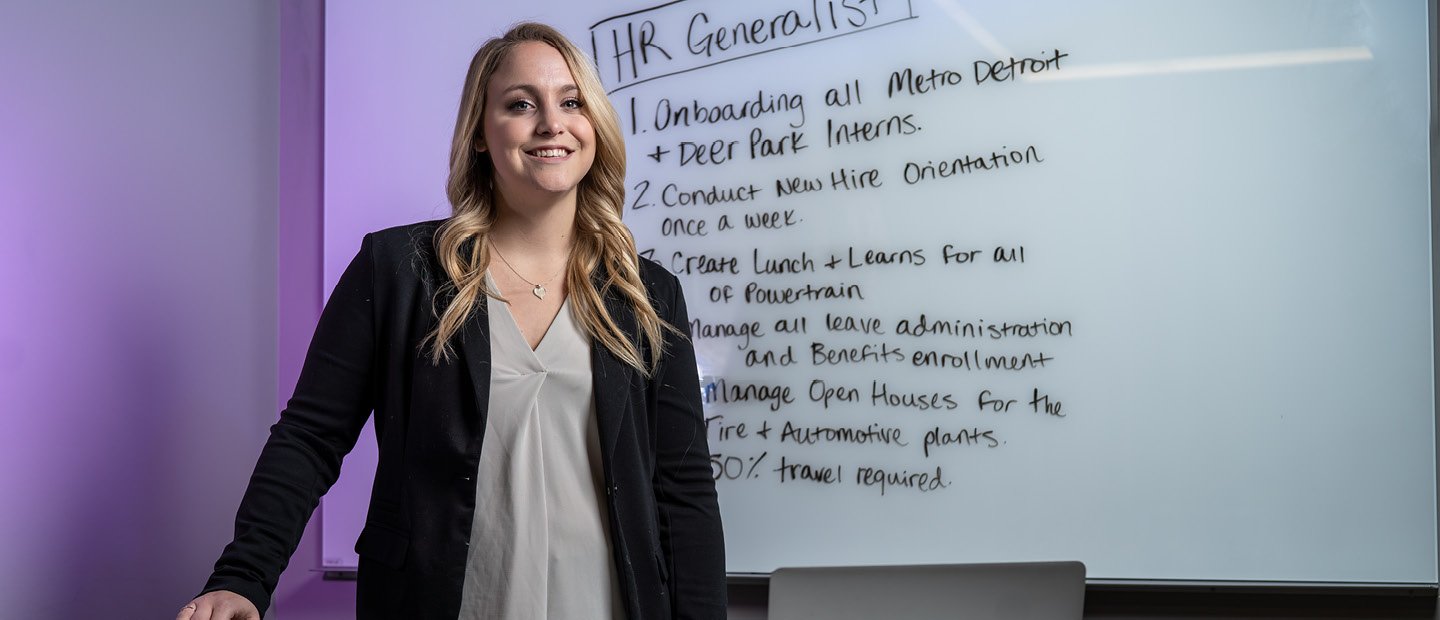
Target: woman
[[542, 446]]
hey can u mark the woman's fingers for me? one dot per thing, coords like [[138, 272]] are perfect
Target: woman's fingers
[[197, 609], [219, 605]]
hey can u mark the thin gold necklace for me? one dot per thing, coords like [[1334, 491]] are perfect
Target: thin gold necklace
[[539, 290]]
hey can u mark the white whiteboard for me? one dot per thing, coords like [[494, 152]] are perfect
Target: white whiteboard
[[1224, 211]]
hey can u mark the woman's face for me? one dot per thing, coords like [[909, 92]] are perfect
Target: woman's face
[[539, 139]]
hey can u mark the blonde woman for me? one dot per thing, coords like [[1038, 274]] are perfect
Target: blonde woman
[[542, 446]]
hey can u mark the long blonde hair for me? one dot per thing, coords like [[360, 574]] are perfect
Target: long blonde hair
[[602, 244]]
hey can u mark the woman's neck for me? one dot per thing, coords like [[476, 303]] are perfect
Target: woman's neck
[[537, 231]]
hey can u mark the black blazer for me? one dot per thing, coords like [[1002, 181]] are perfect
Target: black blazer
[[367, 354]]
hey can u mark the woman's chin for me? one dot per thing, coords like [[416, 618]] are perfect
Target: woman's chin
[[543, 191]]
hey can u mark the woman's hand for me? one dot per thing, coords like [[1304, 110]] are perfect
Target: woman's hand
[[219, 605]]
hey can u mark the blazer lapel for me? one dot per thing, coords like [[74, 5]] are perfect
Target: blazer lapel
[[475, 350], [612, 378]]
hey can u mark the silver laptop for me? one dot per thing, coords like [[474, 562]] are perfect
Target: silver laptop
[[1013, 591]]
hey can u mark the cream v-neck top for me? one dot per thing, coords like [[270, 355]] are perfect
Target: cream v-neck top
[[539, 544]]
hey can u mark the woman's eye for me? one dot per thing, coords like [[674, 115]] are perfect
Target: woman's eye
[[519, 105], [573, 103]]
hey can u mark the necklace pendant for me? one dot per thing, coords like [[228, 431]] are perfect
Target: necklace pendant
[[539, 291]]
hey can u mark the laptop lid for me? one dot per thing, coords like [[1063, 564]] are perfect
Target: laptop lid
[[1010, 591]]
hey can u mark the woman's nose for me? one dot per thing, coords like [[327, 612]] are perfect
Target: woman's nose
[[550, 122]]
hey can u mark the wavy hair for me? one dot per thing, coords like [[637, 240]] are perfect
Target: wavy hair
[[603, 246]]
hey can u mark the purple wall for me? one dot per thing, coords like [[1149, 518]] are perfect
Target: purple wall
[[137, 330]]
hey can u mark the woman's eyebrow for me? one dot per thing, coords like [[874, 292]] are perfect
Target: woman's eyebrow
[[531, 88]]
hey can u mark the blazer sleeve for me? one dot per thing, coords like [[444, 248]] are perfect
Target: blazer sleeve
[[301, 459], [689, 515]]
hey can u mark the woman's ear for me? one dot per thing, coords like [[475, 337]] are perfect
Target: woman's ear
[[479, 144]]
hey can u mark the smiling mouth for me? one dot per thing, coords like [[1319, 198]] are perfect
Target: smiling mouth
[[549, 153]]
